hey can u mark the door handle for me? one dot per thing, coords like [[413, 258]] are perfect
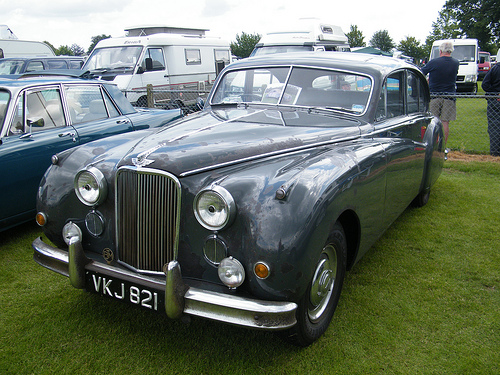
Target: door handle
[[68, 134], [122, 122]]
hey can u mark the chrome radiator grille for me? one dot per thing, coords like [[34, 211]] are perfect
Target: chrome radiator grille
[[147, 218]]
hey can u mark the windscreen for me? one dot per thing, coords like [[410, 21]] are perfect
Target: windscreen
[[305, 87], [465, 53], [11, 66], [109, 58], [266, 50]]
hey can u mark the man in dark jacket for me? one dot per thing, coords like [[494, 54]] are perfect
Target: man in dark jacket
[[491, 85], [442, 81]]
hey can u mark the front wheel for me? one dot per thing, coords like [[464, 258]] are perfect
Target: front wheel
[[316, 308]]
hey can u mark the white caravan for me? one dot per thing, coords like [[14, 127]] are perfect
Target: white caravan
[[11, 46], [308, 34], [466, 51], [160, 57]]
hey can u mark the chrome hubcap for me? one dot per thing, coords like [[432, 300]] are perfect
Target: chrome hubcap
[[322, 283]]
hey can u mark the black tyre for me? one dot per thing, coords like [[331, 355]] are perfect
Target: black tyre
[[316, 308], [421, 199]]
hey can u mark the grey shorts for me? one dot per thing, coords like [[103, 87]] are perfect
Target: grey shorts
[[445, 109]]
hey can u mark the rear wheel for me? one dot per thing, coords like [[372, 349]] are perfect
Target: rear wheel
[[316, 308], [421, 199]]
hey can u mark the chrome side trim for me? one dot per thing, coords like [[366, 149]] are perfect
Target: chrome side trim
[[267, 315]]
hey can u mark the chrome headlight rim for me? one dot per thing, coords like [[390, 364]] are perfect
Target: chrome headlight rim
[[99, 181], [206, 213]]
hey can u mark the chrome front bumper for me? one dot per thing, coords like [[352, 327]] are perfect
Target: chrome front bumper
[[179, 297]]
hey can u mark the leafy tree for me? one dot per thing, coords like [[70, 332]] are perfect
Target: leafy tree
[[244, 44], [96, 39], [64, 50], [445, 27], [478, 19], [382, 41], [355, 37], [411, 47], [77, 50]]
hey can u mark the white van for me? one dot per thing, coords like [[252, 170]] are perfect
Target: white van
[[169, 58], [308, 34], [466, 51]]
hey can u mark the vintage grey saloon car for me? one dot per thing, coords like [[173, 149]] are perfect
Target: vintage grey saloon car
[[251, 211]]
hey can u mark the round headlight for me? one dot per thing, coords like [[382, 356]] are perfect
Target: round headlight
[[90, 186], [231, 272], [214, 208]]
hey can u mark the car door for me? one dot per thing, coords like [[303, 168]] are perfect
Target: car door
[[38, 129], [401, 117], [93, 114]]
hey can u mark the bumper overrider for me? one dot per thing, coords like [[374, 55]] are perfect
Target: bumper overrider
[[179, 298]]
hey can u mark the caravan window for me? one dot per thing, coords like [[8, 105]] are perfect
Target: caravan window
[[222, 55], [193, 56]]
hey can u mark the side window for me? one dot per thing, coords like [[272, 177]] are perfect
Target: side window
[[193, 56], [57, 64], [34, 66], [415, 93], [157, 59], [75, 64], [88, 103], [391, 103], [43, 111]]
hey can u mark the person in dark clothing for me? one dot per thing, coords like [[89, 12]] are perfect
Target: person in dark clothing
[[442, 80], [491, 85]]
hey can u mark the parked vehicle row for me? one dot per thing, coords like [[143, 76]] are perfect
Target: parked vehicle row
[[251, 211]]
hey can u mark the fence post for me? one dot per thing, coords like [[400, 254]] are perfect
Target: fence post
[[151, 102]]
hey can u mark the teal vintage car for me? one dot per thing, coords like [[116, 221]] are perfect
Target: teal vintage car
[[43, 115], [251, 211]]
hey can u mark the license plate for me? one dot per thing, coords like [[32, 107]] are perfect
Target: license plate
[[125, 291]]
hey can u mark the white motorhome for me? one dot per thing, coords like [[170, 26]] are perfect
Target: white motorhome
[[168, 58], [466, 51], [11, 46], [308, 34]]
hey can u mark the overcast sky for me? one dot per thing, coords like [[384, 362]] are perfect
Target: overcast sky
[[64, 22]]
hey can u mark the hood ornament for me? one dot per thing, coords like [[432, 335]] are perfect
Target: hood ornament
[[142, 159]]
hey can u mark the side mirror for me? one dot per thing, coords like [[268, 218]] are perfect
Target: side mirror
[[200, 103], [149, 64], [40, 123], [140, 70]]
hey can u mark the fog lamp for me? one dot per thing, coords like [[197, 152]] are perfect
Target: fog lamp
[[231, 272], [71, 233]]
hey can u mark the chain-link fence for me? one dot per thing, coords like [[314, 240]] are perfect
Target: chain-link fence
[[469, 133], [185, 98]]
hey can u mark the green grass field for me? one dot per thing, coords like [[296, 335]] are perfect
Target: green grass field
[[469, 133], [424, 300]]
